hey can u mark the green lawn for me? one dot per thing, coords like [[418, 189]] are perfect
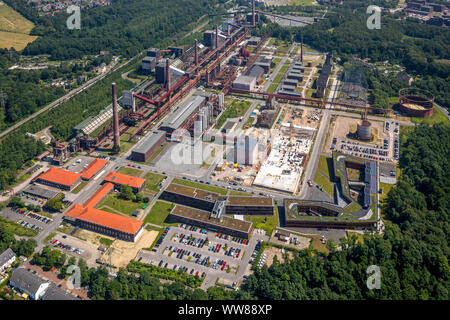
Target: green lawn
[[152, 181], [105, 241], [276, 81], [238, 193], [67, 229], [113, 204], [353, 207], [249, 123], [79, 187], [436, 117], [359, 236], [130, 171], [159, 213], [201, 186], [325, 165], [276, 62], [237, 109], [157, 152], [16, 228], [325, 183], [385, 187], [301, 2], [267, 223]]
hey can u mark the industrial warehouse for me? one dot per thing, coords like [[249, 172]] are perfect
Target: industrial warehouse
[[203, 200], [214, 221]]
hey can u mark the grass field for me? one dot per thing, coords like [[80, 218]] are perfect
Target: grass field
[[276, 61], [325, 165], [157, 152], [353, 207], [237, 109], [113, 204], [436, 117], [14, 29], [16, 228], [267, 223], [301, 2], [276, 81], [79, 187], [130, 171], [201, 186], [159, 213], [325, 183], [385, 187], [238, 193], [359, 236], [152, 181]]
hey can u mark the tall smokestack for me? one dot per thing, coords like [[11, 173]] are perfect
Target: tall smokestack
[[196, 53], [235, 149], [168, 74], [217, 37], [115, 119], [301, 51], [253, 12]]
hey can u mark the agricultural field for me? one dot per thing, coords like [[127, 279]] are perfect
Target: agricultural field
[[14, 29]]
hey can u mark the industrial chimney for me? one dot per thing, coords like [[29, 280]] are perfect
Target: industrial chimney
[[217, 37], [115, 119], [253, 12], [167, 74], [301, 51], [196, 53]]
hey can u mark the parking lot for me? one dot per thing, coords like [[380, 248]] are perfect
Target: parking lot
[[78, 164], [27, 217], [86, 251], [202, 252], [386, 151]]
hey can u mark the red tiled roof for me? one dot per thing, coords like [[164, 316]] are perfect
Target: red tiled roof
[[99, 195], [93, 168], [104, 218], [119, 178], [60, 176]]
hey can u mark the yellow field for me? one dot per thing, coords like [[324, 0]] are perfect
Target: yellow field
[[14, 29]]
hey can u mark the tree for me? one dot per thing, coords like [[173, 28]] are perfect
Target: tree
[[54, 204], [15, 202], [24, 247], [126, 192]]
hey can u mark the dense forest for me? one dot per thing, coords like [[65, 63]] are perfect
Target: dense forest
[[412, 253], [123, 28]]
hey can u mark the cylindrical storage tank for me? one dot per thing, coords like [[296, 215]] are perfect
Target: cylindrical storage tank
[[416, 102], [364, 130]]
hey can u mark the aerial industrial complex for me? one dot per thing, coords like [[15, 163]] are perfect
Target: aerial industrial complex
[[237, 138]]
